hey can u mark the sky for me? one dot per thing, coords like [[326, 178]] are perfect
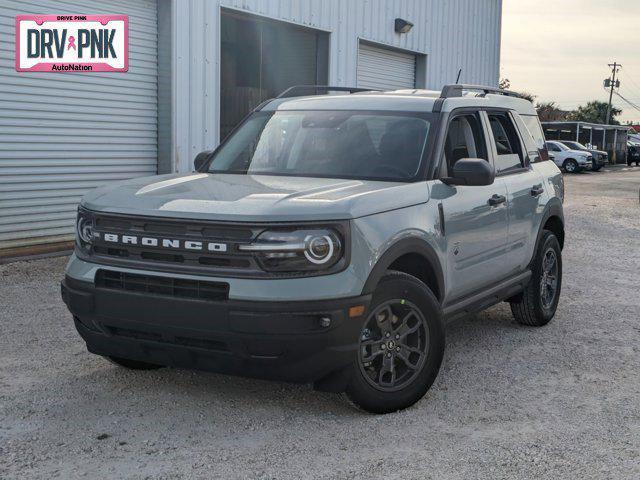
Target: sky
[[559, 50]]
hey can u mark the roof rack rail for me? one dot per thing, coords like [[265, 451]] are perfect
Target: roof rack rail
[[455, 90], [299, 90]]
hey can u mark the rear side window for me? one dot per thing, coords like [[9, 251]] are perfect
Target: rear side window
[[509, 152], [532, 122], [536, 151]]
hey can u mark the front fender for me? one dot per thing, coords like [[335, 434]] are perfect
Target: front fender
[[402, 247]]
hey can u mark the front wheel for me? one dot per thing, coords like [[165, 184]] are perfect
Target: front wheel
[[401, 346], [570, 166], [596, 168], [537, 305]]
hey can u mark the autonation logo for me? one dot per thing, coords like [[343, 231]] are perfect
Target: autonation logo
[[60, 43]]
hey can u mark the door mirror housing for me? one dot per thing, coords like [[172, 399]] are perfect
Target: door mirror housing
[[201, 159], [472, 172]]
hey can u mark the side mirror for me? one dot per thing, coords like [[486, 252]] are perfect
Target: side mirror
[[471, 171], [201, 159]]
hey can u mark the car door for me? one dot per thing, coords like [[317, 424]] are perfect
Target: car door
[[474, 218], [514, 149]]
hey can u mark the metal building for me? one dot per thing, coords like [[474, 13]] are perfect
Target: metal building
[[196, 67], [610, 138]]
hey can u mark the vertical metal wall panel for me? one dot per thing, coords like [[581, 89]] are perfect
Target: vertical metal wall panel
[[385, 69], [453, 34], [62, 134]]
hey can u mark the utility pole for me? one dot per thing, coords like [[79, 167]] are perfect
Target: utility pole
[[611, 82]]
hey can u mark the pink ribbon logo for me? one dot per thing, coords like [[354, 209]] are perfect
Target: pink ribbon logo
[[72, 43]]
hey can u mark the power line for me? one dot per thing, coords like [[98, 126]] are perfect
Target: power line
[[628, 101], [632, 90], [628, 77]]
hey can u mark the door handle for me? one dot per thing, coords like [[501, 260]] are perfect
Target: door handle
[[537, 190], [497, 199]]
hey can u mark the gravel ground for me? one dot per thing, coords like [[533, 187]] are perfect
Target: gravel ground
[[510, 402]]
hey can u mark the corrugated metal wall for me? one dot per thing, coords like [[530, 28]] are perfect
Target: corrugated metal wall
[[385, 69], [452, 34], [62, 134]]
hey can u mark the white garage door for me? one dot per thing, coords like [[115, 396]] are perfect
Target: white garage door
[[62, 134], [385, 69]]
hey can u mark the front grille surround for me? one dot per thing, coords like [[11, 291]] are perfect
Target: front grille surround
[[233, 263]]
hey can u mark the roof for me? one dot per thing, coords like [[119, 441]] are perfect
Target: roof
[[416, 100]]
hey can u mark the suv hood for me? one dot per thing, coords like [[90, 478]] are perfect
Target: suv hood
[[251, 198]]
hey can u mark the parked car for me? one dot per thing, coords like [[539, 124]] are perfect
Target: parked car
[[600, 157], [572, 161], [633, 153], [327, 240]]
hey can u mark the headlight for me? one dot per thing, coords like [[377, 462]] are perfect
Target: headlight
[[296, 250], [85, 225]]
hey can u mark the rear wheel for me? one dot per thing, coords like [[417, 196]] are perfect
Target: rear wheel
[[570, 165], [133, 364], [400, 347], [537, 304]]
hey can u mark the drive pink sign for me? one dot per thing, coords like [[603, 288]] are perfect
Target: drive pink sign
[[72, 43]]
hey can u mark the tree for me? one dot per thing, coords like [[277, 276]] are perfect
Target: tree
[[505, 84], [595, 112], [551, 112], [527, 96]]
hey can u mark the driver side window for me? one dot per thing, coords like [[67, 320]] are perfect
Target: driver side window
[[464, 140]]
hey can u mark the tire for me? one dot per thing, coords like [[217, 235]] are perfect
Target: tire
[[596, 169], [570, 166], [133, 364], [531, 307], [413, 308]]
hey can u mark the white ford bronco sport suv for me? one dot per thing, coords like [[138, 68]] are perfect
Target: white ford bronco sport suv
[[329, 239]]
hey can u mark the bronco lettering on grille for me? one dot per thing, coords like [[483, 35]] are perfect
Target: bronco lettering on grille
[[170, 243]]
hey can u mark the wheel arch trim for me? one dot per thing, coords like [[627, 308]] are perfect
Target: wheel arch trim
[[403, 247], [553, 209]]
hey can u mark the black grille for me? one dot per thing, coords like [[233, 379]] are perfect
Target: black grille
[[230, 262], [165, 286]]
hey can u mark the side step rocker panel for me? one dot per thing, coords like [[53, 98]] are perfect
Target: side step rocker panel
[[481, 300]]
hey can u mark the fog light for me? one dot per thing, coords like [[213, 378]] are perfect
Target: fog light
[[325, 322]]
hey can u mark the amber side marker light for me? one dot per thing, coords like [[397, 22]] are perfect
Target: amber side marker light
[[356, 311]]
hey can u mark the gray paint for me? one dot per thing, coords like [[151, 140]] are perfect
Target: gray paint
[[254, 198], [483, 244]]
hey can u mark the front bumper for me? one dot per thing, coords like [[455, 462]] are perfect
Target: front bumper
[[585, 164], [272, 340]]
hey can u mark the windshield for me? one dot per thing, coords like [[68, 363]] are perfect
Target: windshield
[[342, 144], [575, 146]]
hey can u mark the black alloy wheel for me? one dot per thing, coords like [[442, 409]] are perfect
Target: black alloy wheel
[[393, 345]]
